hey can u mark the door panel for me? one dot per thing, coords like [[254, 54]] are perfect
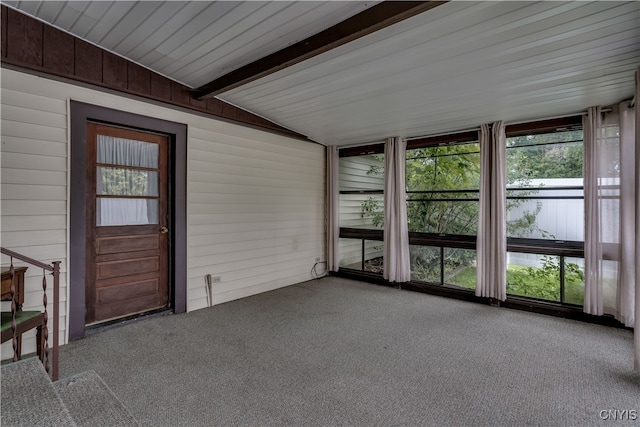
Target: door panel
[[127, 240], [118, 244]]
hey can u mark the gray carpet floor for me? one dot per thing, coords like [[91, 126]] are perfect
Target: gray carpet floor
[[335, 352], [29, 399], [91, 403]]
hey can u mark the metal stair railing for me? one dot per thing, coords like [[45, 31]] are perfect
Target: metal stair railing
[[54, 269]]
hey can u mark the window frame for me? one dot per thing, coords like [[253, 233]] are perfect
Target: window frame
[[554, 247]]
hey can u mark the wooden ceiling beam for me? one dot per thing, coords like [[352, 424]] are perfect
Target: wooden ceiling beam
[[366, 22]]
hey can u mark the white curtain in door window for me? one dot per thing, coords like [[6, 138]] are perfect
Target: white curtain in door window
[[123, 212], [116, 181], [397, 266], [333, 226], [127, 152], [491, 279]]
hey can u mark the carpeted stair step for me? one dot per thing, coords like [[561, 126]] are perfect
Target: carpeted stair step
[[29, 398], [91, 402]]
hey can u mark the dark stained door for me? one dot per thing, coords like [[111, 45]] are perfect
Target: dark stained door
[[127, 227]]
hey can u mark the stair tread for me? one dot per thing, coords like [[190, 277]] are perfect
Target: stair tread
[[91, 402], [29, 398]]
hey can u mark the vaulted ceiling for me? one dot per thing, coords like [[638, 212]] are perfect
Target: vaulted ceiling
[[450, 68]]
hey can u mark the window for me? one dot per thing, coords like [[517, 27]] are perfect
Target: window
[[443, 178], [545, 213], [362, 191], [545, 210], [361, 176]]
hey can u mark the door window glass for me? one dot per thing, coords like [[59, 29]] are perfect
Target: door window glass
[[126, 194]]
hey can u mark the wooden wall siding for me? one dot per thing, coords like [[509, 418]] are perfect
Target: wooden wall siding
[[3, 33], [255, 199], [138, 79], [29, 43], [58, 51]]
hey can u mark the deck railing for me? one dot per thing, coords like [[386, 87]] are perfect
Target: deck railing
[[54, 269]]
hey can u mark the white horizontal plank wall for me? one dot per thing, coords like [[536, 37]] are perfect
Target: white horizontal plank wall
[[33, 176], [255, 200]]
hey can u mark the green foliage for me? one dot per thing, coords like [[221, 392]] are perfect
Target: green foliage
[[527, 160], [372, 209], [124, 182], [436, 170], [544, 282]]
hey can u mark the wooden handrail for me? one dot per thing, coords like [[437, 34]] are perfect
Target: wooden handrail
[[26, 259], [54, 268]]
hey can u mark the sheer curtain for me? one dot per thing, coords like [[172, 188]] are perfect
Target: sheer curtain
[[333, 226], [491, 277], [629, 211], [636, 334], [397, 266], [612, 214], [611, 211], [593, 256], [127, 152]]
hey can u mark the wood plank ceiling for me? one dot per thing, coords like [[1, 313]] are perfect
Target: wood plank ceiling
[[450, 68]]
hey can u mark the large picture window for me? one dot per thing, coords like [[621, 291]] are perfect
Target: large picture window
[[361, 185], [443, 179], [544, 210], [545, 213]]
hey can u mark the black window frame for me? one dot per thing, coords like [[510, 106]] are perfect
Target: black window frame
[[552, 247]]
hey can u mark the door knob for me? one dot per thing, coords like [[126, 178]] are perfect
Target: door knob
[[164, 230]]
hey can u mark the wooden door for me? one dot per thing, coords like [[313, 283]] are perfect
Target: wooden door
[[127, 227]]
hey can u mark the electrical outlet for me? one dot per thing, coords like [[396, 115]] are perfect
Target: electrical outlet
[[317, 259], [216, 279]]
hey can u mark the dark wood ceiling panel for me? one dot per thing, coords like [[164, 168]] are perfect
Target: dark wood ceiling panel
[[138, 79], [24, 39], [88, 61], [214, 105], [114, 70], [58, 51], [160, 87], [180, 93], [3, 29]]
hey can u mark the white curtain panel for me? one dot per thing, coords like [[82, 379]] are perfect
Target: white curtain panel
[[637, 180], [491, 277], [333, 201], [123, 212], [397, 266], [629, 211], [610, 212], [593, 301], [127, 152]]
